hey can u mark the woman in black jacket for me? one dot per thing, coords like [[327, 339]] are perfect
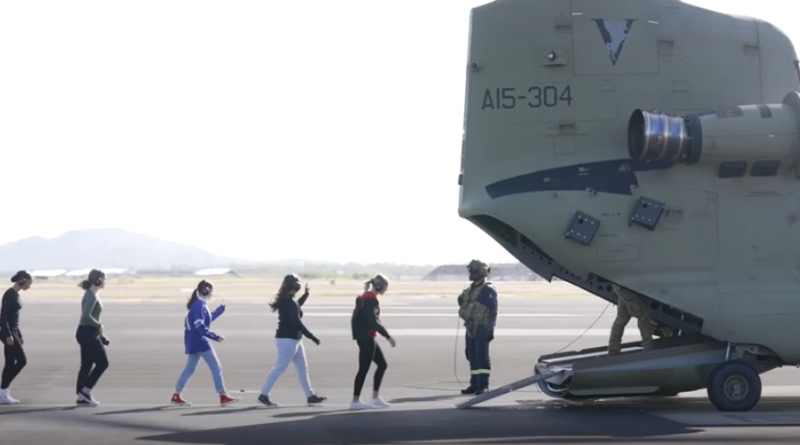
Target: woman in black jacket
[[366, 324], [289, 341], [10, 334]]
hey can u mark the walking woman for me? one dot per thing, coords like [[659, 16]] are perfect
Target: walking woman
[[365, 324], [289, 341], [196, 333], [10, 334], [91, 339]]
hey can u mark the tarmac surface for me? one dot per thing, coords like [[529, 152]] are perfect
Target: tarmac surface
[[426, 370]]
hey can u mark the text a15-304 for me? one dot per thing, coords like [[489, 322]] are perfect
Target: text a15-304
[[508, 98]]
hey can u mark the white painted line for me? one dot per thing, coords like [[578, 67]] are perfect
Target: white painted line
[[411, 308], [229, 313], [236, 407], [687, 415], [454, 314], [500, 332], [630, 334]]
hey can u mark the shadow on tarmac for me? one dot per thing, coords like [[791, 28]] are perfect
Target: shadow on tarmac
[[508, 425], [525, 422]]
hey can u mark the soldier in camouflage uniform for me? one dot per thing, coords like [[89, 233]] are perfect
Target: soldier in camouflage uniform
[[630, 304], [478, 308]]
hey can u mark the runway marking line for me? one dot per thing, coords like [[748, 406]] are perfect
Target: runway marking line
[[235, 407]]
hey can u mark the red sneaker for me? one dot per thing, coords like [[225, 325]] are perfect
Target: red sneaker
[[225, 400], [178, 400]]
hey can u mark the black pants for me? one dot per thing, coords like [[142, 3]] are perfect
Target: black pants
[[93, 353], [15, 361], [368, 352]]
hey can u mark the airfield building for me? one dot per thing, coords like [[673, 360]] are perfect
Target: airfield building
[[500, 272]]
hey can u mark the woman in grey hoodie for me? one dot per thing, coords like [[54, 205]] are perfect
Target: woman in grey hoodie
[[91, 339]]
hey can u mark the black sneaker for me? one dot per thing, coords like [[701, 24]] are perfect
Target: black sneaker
[[316, 399], [83, 396], [80, 403], [468, 390], [482, 390], [266, 402]]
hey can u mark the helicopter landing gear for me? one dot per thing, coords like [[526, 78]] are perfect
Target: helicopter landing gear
[[734, 386]]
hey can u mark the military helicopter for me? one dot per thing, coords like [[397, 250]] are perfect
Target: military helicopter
[[653, 145]]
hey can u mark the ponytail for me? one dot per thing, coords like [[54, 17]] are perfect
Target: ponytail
[[274, 303], [379, 283], [96, 277], [191, 299]]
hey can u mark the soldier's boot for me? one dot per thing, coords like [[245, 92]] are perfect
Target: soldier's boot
[[646, 331], [614, 345], [647, 342], [472, 386], [615, 337], [482, 384]]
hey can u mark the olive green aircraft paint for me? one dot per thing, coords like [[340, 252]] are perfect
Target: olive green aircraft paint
[[672, 129]]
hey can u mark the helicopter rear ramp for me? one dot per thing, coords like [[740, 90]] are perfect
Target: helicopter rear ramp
[[673, 365]]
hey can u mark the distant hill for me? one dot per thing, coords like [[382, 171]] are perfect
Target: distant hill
[[115, 248]]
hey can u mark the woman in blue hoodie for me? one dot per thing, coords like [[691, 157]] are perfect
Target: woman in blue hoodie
[[196, 334]]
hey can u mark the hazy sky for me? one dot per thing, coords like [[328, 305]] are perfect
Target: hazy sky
[[261, 129]]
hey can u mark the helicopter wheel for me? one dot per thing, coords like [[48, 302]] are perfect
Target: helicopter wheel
[[734, 386], [555, 391]]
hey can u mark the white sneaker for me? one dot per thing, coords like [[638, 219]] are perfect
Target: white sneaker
[[6, 399], [86, 400], [359, 405], [11, 399], [378, 402]]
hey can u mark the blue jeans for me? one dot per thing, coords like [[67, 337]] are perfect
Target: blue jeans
[[211, 360], [477, 352]]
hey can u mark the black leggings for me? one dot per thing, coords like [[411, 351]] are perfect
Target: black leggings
[[93, 352], [15, 361], [368, 352]]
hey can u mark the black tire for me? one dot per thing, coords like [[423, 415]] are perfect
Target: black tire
[[734, 386], [545, 388]]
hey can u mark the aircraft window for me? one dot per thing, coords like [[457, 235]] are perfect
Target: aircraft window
[[765, 168], [732, 169]]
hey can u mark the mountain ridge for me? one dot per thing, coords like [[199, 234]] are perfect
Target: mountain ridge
[[125, 249], [108, 247]]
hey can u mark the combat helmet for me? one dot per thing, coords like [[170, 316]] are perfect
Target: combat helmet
[[478, 269]]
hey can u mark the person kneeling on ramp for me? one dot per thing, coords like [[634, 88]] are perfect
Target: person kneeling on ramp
[[630, 304]]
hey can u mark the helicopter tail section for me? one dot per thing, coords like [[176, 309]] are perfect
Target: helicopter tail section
[[588, 153]]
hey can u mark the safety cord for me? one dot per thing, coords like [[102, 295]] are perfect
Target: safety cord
[[455, 351], [587, 329], [458, 328]]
